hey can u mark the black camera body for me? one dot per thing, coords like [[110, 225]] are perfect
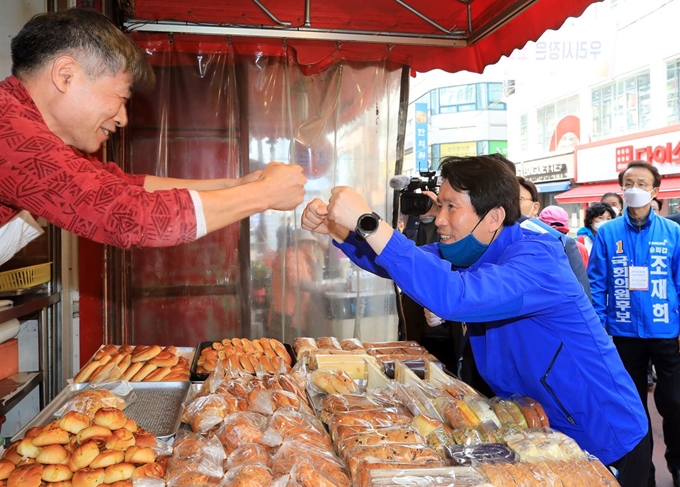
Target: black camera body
[[412, 201]]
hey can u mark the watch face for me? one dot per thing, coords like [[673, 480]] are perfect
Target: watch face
[[368, 223]]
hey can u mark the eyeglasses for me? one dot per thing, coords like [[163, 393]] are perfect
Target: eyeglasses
[[642, 185], [522, 198]]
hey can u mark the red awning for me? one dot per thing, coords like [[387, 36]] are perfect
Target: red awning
[[588, 193], [411, 33]]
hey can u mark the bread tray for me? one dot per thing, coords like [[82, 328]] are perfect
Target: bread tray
[[186, 352], [157, 407]]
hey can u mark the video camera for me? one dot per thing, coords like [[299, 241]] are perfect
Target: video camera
[[411, 199]]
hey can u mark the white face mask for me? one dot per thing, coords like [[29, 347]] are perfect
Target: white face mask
[[426, 219], [597, 225], [617, 212], [636, 197]]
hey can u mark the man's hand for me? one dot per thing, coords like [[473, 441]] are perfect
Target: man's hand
[[434, 209], [283, 185], [346, 206], [432, 319], [315, 218], [249, 178]]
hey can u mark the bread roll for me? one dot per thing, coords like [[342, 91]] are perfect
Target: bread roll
[[136, 454], [281, 351], [51, 436], [165, 359], [86, 371], [120, 483], [73, 422], [56, 473], [178, 376], [145, 439], [11, 453], [121, 439], [6, 467], [171, 349], [88, 477], [26, 448], [143, 372], [26, 476], [152, 469], [83, 455], [94, 432], [132, 370], [126, 349], [107, 458], [53, 455], [146, 354], [111, 418], [158, 374], [131, 425], [118, 472]]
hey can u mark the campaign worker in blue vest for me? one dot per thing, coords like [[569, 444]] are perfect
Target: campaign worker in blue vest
[[532, 328]]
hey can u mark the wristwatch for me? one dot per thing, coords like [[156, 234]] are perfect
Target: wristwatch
[[367, 224]]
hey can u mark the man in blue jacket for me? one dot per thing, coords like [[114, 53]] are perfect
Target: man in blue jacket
[[532, 328], [634, 273]]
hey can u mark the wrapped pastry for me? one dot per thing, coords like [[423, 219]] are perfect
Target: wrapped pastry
[[391, 453], [205, 412], [351, 344], [241, 428], [249, 454], [332, 382], [89, 401], [251, 475], [304, 345], [323, 462], [328, 342], [392, 435]]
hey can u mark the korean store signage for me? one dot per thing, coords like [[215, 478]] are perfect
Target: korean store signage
[[421, 146], [603, 161]]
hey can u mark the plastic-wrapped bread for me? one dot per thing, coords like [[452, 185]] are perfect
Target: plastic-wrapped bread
[[352, 344], [392, 435], [304, 345], [328, 342], [371, 418], [414, 454], [333, 382]]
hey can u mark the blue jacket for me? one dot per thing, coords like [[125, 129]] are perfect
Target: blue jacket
[[532, 329], [635, 313]]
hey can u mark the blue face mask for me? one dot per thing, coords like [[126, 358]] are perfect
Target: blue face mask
[[464, 252]]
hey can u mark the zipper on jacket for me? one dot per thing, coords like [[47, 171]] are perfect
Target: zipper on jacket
[[544, 381]]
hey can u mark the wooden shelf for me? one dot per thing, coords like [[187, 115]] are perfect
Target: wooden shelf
[[16, 387], [27, 305]]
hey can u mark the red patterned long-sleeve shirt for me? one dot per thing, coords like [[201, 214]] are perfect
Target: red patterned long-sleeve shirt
[[41, 174]]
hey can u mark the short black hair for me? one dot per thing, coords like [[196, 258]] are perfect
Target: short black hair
[[488, 182], [658, 202], [529, 186], [595, 210], [88, 36], [643, 165]]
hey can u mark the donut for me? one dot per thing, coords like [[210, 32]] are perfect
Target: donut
[[111, 418], [83, 455], [56, 473], [6, 467], [107, 458], [74, 421], [146, 354], [26, 476], [53, 455]]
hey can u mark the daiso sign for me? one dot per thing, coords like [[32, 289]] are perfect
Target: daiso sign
[[668, 152], [603, 160]]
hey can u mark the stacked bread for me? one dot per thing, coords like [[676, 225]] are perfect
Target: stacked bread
[[264, 355], [81, 451], [150, 363]]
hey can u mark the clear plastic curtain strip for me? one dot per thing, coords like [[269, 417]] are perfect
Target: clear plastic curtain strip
[[216, 113]]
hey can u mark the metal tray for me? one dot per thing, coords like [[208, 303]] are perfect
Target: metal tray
[[186, 352], [199, 377], [157, 407]]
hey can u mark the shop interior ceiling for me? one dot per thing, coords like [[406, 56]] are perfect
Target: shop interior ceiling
[[452, 35]]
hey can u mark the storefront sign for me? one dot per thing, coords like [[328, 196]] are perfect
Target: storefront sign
[[555, 168], [421, 147], [498, 147], [602, 161], [460, 149]]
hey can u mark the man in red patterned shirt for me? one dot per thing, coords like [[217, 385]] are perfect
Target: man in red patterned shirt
[[72, 75]]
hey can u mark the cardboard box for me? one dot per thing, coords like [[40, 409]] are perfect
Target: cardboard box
[[9, 358]]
